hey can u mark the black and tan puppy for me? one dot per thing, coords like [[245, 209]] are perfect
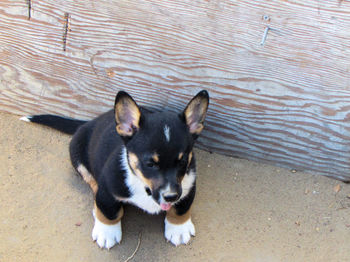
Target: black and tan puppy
[[130, 155]]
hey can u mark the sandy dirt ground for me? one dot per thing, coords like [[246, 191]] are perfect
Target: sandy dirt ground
[[243, 211]]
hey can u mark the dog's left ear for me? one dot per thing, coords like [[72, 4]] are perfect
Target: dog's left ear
[[196, 111], [127, 114]]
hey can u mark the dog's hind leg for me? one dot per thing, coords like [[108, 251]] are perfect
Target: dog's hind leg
[[88, 178], [79, 158]]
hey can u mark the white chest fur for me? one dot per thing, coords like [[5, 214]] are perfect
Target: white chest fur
[[139, 197]]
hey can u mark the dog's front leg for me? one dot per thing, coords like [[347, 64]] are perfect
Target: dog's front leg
[[107, 212], [178, 224]]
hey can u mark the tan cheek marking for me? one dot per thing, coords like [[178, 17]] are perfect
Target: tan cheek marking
[[148, 182], [179, 180], [101, 217], [134, 162], [174, 218], [190, 157], [181, 155]]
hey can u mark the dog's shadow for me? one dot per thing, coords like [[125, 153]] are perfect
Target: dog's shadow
[[77, 183]]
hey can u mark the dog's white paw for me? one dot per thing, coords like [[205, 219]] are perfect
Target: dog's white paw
[[106, 236], [179, 234]]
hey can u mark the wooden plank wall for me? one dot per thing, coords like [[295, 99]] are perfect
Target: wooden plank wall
[[283, 98]]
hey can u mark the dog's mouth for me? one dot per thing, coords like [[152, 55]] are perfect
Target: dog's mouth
[[165, 206]]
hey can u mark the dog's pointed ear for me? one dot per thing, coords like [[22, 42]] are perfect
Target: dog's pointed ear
[[127, 114], [196, 111]]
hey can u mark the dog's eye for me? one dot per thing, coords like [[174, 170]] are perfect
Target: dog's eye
[[151, 163]]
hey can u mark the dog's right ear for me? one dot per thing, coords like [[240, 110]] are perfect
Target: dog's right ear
[[127, 114]]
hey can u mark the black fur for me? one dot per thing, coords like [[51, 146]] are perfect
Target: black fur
[[64, 124], [99, 146], [184, 204]]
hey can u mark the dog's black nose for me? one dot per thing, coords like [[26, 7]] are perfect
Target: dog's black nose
[[170, 197]]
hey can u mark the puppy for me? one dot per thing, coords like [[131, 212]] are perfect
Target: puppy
[[131, 155]]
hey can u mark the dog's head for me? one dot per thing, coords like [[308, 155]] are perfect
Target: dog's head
[[159, 145]]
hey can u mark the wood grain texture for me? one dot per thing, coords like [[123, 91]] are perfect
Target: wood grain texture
[[286, 101]]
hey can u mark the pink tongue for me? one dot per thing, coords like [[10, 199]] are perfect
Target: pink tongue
[[165, 207]]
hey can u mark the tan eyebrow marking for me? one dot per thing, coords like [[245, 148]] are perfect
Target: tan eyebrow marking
[[155, 157], [181, 155]]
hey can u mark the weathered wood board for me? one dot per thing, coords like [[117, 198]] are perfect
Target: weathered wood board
[[282, 97]]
